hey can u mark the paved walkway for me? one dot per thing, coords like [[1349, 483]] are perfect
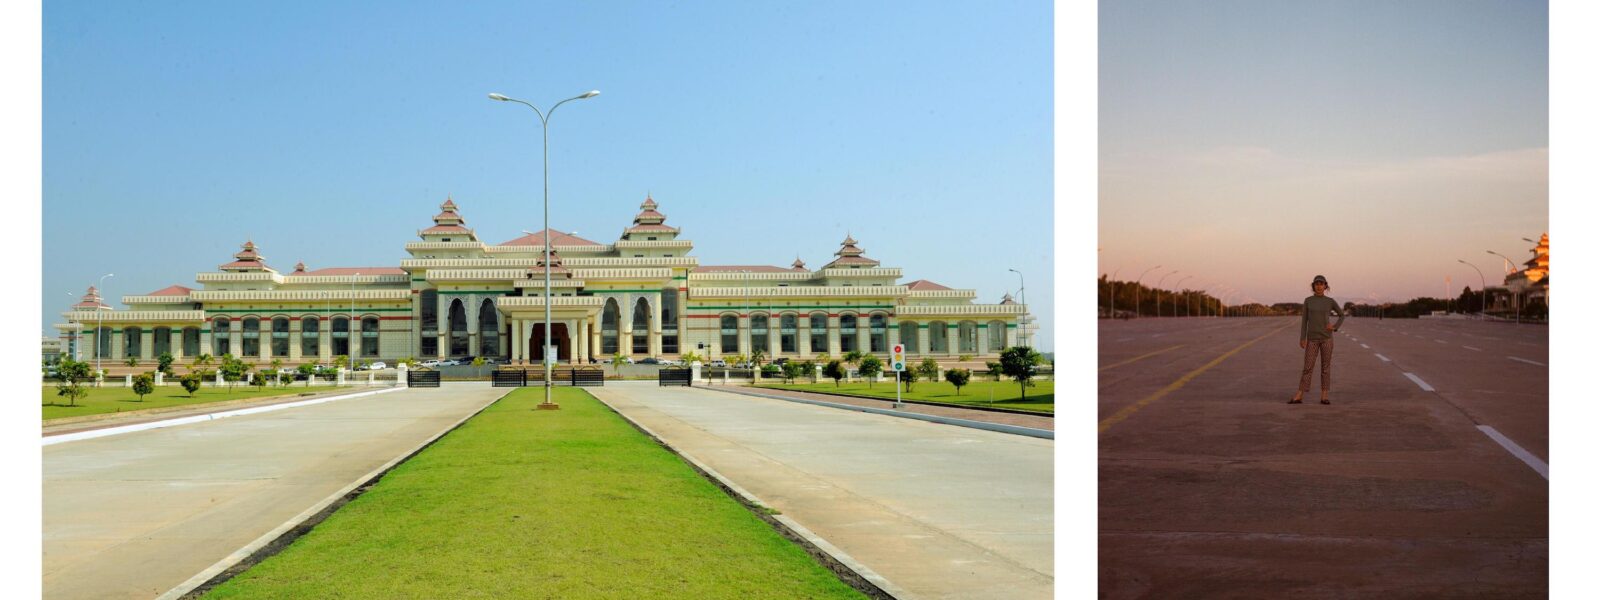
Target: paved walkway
[[940, 511], [955, 412], [133, 515]]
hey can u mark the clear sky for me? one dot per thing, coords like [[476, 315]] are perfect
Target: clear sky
[[1259, 143], [330, 132]]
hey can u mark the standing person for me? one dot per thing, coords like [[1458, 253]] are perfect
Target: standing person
[[1316, 337]]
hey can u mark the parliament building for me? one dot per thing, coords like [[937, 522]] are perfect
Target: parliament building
[[457, 296]]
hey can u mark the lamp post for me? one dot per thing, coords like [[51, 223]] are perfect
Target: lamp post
[[544, 123], [1483, 295], [1176, 285], [1113, 283], [1136, 285], [99, 324], [1158, 290], [350, 326], [1516, 300], [1022, 291]]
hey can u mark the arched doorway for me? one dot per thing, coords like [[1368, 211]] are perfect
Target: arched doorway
[[558, 334]]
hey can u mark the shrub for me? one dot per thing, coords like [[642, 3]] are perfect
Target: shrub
[[1020, 363], [909, 376], [929, 369], [260, 380], [308, 370], [994, 369], [132, 361], [191, 383], [233, 370], [164, 363], [964, 357], [833, 370], [871, 367], [144, 383], [958, 378], [792, 370]]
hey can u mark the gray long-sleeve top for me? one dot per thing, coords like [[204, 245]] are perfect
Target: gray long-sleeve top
[[1314, 319]]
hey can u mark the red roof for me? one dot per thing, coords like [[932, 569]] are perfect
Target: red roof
[[556, 239], [648, 227], [171, 290], [924, 285], [341, 271], [89, 305], [741, 269], [649, 214], [853, 260], [446, 229], [256, 264]]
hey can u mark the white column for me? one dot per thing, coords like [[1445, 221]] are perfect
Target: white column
[[325, 339], [294, 339], [147, 342], [952, 339], [922, 340], [175, 343], [443, 311], [205, 339], [236, 338], [625, 330], [983, 340], [594, 338], [516, 340], [572, 341], [803, 335], [1011, 335], [744, 334], [655, 327], [774, 336], [834, 348]]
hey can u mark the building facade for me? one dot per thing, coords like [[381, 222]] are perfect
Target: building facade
[[642, 295]]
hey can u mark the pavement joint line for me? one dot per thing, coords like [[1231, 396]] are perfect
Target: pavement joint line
[[1366, 346], [1420, 383], [1141, 357], [1517, 451], [995, 427], [315, 514], [1440, 341], [1531, 362], [1381, 357], [110, 431], [1471, 348], [1128, 411]]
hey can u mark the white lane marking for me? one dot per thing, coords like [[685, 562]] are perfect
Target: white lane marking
[[1471, 348], [1440, 341], [1366, 346], [1531, 362], [1420, 383], [96, 433], [1517, 451], [1381, 357]]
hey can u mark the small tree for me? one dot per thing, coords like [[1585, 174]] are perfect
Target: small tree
[[809, 369], [871, 366], [233, 370], [132, 361], [958, 378], [307, 369], [191, 383], [164, 363], [853, 356], [617, 360], [341, 361], [72, 374], [757, 357], [909, 377], [791, 371], [478, 362], [260, 380], [994, 369], [144, 383], [964, 358], [690, 357], [929, 369], [1020, 363], [833, 370]]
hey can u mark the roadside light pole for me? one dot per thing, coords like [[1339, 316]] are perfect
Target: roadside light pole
[[1136, 285], [544, 123], [1022, 291], [1516, 299], [1113, 283], [99, 325], [1178, 285], [1158, 290], [1483, 297]]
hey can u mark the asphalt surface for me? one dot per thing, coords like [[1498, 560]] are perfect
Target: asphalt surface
[[1212, 486], [939, 511], [135, 514]]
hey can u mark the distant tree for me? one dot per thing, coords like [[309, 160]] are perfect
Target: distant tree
[[200, 363], [909, 377], [164, 363], [929, 369], [260, 380], [964, 358], [833, 370], [690, 357], [341, 361], [308, 370], [792, 370], [870, 367], [1020, 363], [809, 369], [144, 383], [71, 375], [771, 370], [617, 360], [853, 356], [994, 369], [958, 378], [277, 363], [757, 357], [233, 370], [191, 383], [132, 361]]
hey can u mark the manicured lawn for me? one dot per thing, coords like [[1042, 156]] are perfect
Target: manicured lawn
[[520, 503], [121, 399], [1006, 393]]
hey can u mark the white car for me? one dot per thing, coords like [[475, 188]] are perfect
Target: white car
[[719, 363], [429, 363], [379, 366]]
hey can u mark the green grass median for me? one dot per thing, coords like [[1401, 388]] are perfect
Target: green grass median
[[122, 399], [995, 394], [521, 503]]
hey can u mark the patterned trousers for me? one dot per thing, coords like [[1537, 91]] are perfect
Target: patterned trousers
[[1313, 348]]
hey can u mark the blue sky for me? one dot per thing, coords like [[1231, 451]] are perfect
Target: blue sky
[[329, 133], [1255, 144]]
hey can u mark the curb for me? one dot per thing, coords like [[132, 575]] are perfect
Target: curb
[[109, 431], [854, 574], [995, 427], [280, 537], [1009, 411]]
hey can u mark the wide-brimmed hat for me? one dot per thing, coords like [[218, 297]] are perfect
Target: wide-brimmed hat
[[1320, 279]]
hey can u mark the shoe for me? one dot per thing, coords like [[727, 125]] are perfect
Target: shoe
[[1293, 401], [1325, 401]]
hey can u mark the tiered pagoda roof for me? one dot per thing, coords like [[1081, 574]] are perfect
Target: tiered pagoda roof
[[1007, 299], [448, 221], [799, 265], [850, 255], [649, 220], [91, 301], [247, 259]]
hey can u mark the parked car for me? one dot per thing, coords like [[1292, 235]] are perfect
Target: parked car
[[719, 363], [431, 363], [781, 361], [379, 366], [650, 361]]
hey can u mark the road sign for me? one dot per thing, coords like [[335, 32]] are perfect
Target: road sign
[[897, 358]]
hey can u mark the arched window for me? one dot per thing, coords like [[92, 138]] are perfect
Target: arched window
[[428, 306], [847, 334], [758, 334], [908, 336], [341, 336], [161, 342], [130, 341], [458, 328], [730, 334], [788, 334], [310, 337], [669, 320], [818, 322], [938, 338], [280, 336], [102, 342], [608, 327], [251, 338], [191, 341], [997, 336], [221, 338], [968, 332], [641, 327], [878, 333], [369, 336], [488, 329]]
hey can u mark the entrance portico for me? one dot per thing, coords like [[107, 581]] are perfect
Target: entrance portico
[[570, 318]]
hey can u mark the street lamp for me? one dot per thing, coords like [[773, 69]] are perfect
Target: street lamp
[[544, 123], [99, 325], [1176, 285], [1516, 300], [1136, 285], [1483, 295], [1022, 291], [1158, 290]]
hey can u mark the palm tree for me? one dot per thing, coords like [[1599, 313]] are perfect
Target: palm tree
[[757, 357], [201, 361], [853, 356]]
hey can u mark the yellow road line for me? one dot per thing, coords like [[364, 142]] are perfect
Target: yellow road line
[[1138, 358], [1172, 387]]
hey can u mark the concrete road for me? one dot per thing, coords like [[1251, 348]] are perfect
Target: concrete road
[[1210, 485], [940, 511], [132, 515]]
